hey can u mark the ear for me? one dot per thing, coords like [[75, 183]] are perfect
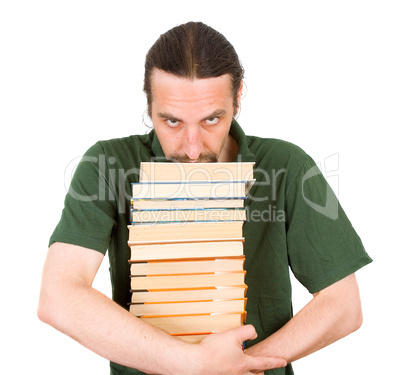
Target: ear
[[239, 93], [239, 96]]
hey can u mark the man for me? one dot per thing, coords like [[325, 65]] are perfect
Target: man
[[193, 82]]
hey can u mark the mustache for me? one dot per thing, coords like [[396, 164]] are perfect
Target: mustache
[[207, 157]]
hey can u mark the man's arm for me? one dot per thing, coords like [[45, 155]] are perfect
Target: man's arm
[[70, 304], [333, 313]]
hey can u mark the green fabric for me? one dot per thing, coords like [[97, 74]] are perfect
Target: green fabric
[[294, 222]]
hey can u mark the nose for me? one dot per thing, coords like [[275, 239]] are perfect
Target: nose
[[193, 143]]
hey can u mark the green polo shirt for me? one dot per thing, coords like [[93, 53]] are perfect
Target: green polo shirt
[[294, 222]]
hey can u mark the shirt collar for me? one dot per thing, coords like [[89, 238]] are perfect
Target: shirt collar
[[243, 154]]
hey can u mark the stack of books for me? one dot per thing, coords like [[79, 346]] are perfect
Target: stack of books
[[186, 241]]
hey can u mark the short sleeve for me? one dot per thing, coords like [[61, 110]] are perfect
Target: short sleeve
[[88, 216], [323, 247]]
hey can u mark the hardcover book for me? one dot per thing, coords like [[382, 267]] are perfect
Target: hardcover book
[[186, 242]]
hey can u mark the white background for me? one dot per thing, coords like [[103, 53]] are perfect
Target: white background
[[325, 75]]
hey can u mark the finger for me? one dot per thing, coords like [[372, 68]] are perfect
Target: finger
[[246, 332], [260, 364]]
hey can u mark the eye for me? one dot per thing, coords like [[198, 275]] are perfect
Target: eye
[[172, 122], [212, 120]]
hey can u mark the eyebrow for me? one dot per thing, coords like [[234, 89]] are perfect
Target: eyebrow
[[166, 115]]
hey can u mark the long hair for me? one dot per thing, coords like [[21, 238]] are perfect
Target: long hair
[[193, 50]]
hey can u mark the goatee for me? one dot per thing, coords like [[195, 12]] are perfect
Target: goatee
[[209, 157]]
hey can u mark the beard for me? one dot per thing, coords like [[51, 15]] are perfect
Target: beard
[[207, 157]]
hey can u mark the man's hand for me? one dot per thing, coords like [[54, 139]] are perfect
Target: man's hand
[[222, 353]]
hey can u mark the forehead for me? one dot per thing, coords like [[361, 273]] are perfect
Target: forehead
[[170, 90]]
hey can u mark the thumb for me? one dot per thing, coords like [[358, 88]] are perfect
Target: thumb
[[246, 332]]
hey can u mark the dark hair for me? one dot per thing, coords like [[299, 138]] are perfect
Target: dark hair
[[193, 50]]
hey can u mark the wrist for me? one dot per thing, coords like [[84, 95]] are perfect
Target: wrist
[[183, 358]]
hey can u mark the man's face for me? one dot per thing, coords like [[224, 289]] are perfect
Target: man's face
[[192, 117]]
